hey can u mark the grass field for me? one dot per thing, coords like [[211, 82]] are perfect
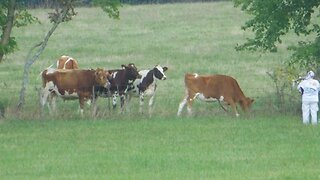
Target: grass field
[[212, 144]]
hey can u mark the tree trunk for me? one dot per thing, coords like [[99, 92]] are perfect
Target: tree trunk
[[33, 56], [8, 27]]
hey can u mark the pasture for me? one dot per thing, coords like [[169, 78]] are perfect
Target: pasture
[[212, 144]]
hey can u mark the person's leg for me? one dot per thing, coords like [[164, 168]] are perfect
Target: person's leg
[[305, 112], [314, 110]]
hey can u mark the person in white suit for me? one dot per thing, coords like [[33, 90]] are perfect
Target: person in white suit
[[309, 89]]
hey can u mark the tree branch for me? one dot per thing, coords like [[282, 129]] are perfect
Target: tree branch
[[32, 58]]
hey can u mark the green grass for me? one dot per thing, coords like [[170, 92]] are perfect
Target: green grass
[[212, 144], [205, 148]]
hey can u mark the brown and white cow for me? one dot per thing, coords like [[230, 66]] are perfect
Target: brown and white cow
[[214, 88], [72, 84], [67, 62]]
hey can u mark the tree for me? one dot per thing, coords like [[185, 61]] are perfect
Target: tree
[[11, 15], [63, 12], [272, 19]]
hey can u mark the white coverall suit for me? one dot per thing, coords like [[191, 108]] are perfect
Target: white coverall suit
[[309, 88]]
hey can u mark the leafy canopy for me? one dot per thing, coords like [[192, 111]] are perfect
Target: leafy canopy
[[272, 19], [21, 18]]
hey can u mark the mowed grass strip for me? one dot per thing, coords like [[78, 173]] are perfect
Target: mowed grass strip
[[160, 149]]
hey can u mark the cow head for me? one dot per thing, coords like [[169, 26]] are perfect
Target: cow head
[[102, 77], [246, 104], [159, 72], [131, 72]]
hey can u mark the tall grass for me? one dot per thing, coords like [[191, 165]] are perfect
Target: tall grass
[[212, 144]]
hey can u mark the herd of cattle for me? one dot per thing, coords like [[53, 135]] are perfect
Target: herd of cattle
[[69, 82]]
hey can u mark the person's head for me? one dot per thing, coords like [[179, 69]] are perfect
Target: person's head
[[310, 75]]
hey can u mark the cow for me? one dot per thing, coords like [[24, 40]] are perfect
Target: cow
[[64, 62], [147, 85], [213, 88], [67, 62], [121, 81], [72, 84]]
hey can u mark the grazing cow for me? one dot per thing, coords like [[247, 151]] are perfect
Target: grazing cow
[[214, 88], [147, 85], [72, 84], [121, 81], [67, 62]]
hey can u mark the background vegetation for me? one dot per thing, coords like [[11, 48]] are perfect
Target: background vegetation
[[48, 3], [190, 37]]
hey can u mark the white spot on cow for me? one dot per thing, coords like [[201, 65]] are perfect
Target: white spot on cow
[[221, 98], [114, 74], [201, 97], [160, 69], [195, 75], [69, 59]]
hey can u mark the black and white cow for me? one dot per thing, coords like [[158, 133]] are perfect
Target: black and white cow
[[147, 85], [121, 81]]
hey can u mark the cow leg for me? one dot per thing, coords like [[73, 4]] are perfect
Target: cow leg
[[94, 106], [141, 102], [189, 97], [81, 102], [114, 100], [40, 95], [122, 101], [181, 105], [189, 106], [234, 107], [53, 99], [43, 98], [128, 99], [151, 103]]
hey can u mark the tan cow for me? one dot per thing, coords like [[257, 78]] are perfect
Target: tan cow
[[213, 88], [72, 84], [67, 62]]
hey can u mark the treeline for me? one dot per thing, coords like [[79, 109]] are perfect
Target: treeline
[[51, 3]]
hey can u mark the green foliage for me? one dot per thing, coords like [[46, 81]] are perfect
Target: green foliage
[[9, 47], [273, 19], [284, 79], [109, 6], [24, 18], [21, 18], [63, 7], [306, 54]]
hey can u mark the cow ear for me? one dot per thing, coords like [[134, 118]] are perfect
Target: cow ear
[[123, 66], [165, 68]]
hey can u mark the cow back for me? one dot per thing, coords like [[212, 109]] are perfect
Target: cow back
[[70, 79], [67, 62]]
